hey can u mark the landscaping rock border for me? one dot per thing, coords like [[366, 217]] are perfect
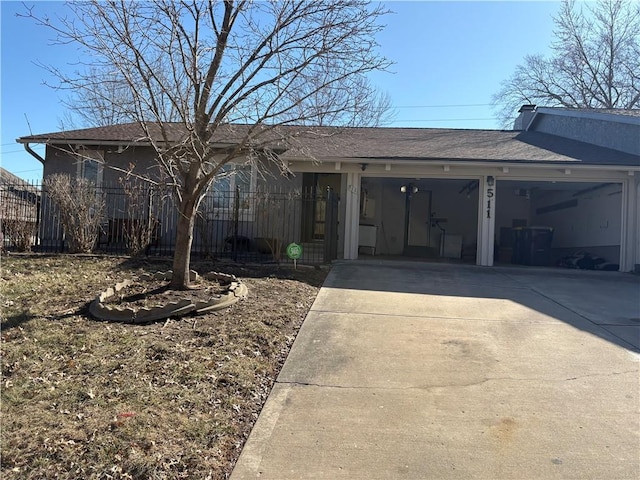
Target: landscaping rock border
[[235, 290]]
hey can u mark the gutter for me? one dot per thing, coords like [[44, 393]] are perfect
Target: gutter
[[108, 143]]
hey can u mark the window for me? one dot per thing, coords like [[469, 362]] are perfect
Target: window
[[90, 165], [90, 170], [221, 198]]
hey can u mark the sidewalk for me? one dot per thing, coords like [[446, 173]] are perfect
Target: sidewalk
[[444, 371]]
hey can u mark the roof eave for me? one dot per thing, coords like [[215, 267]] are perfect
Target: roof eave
[[110, 143], [75, 141], [514, 163]]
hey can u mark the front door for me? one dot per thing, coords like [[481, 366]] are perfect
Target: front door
[[315, 187]]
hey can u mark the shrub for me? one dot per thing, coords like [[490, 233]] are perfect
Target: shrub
[[140, 227], [81, 206], [19, 203], [20, 233]]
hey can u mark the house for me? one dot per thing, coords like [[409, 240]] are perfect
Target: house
[[19, 203], [564, 180]]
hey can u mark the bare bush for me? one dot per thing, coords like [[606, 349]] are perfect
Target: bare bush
[[20, 233], [273, 220], [141, 225], [18, 214], [81, 206]]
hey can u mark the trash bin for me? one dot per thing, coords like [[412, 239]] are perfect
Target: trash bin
[[532, 246], [518, 245]]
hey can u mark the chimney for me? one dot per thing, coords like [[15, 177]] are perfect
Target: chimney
[[526, 114]]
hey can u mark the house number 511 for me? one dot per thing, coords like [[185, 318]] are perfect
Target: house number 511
[[490, 193]]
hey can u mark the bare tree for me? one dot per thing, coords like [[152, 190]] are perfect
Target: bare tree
[[352, 102], [101, 103], [202, 67], [595, 62], [325, 105]]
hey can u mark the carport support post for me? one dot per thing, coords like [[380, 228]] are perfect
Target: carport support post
[[486, 221], [636, 235], [352, 216], [630, 235]]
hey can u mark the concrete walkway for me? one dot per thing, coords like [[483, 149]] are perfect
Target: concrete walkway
[[439, 371]]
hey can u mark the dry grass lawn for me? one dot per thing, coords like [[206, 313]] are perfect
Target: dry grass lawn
[[174, 399]]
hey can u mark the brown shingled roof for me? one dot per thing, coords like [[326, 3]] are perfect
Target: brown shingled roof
[[124, 133], [134, 133], [458, 145], [327, 143], [8, 178]]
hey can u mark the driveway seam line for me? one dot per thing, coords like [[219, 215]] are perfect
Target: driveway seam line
[[453, 385], [434, 317]]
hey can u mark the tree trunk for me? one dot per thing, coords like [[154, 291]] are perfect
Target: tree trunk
[[184, 239]]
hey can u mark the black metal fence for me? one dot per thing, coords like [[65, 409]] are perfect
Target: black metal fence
[[238, 225]]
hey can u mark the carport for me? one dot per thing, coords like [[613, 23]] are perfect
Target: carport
[[437, 218], [459, 194], [580, 218], [409, 214], [419, 217]]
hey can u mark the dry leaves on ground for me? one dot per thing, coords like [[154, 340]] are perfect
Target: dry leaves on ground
[[175, 399]]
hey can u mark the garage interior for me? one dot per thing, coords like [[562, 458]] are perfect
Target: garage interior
[[419, 218], [538, 223], [582, 220]]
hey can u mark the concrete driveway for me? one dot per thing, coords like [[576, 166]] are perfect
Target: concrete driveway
[[439, 371]]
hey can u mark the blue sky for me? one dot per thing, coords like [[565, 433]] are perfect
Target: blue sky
[[450, 57]]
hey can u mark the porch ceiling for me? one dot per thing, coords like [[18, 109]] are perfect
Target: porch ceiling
[[459, 184]]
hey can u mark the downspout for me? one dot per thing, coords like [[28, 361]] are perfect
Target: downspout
[[33, 153]]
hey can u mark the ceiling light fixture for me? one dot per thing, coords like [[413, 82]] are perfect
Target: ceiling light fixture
[[411, 188]]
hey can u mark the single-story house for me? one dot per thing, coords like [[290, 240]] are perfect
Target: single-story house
[[562, 181], [19, 202]]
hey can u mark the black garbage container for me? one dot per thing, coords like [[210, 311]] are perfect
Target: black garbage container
[[517, 242], [532, 245]]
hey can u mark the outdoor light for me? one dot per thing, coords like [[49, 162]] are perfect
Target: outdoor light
[[411, 188], [490, 181]]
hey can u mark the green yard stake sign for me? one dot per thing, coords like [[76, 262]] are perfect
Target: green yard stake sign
[[294, 252]]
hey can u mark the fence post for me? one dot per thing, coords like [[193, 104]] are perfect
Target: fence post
[[330, 227], [38, 215], [236, 219]]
